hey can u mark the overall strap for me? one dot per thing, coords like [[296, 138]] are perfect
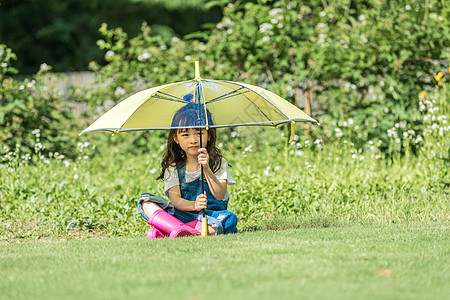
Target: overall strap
[[182, 175]]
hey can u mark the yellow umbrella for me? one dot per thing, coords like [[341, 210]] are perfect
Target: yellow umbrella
[[228, 103]]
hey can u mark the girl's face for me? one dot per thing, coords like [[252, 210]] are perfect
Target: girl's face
[[189, 140]]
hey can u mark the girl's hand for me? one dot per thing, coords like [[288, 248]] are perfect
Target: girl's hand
[[200, 202], [203, 158]]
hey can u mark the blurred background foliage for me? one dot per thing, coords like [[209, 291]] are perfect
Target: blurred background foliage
[[64, 33], [356, 66]]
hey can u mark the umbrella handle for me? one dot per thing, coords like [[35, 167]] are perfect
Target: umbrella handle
[[204, 226]]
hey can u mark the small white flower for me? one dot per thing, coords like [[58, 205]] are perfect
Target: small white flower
[[275, 12], [144, 56], [44, 67], [266, 171], [354, 156], [75, 176], [152, 171], [119, 92], [265, 27], [234, 134], [109, 54], [38, 146]]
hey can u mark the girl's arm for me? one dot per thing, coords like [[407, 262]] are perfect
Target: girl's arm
[[183, 204], [218, 187]]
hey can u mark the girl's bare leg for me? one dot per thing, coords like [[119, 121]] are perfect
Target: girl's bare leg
[[149, 208]]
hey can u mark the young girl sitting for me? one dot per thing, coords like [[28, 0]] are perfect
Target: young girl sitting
[[180, 169]]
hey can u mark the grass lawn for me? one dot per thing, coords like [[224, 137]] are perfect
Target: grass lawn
[[399, 261]]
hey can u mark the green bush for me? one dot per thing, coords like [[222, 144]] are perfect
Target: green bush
[[366, 61], [33, 117]]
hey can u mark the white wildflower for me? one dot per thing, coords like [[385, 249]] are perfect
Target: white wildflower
[[266, 171], [109, 54], [275, 12], [299, 153], [265, 27], [119, 92]]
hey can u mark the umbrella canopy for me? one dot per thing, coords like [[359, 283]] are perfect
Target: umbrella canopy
[[229, 103]]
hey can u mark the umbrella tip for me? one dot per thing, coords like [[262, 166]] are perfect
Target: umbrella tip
[[80, 134], [197, 70], [319, 124]]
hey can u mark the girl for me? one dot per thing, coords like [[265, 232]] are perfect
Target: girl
[[180, 169]]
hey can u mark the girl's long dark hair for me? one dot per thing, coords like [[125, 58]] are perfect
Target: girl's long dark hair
[[174, 155]]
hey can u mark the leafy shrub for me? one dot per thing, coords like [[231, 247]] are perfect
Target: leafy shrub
[[360, 59], [32, 116]]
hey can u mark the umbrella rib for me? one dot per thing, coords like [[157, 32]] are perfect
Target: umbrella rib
[[156, 95]]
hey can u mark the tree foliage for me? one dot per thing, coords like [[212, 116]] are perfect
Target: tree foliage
[[366, 61], [63, 33]]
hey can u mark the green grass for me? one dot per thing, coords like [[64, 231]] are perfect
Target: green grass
[[344, 262]]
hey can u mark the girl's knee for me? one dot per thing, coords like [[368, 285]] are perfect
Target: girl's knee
[[149, 207], [212, 230]]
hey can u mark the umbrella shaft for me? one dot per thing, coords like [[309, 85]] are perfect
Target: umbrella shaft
[[202, 176]]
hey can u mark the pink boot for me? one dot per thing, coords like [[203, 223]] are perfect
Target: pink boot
[[154, 233], [170, 225], [196, 224]]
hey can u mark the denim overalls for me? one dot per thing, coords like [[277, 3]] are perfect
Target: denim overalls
[[216, 210]]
